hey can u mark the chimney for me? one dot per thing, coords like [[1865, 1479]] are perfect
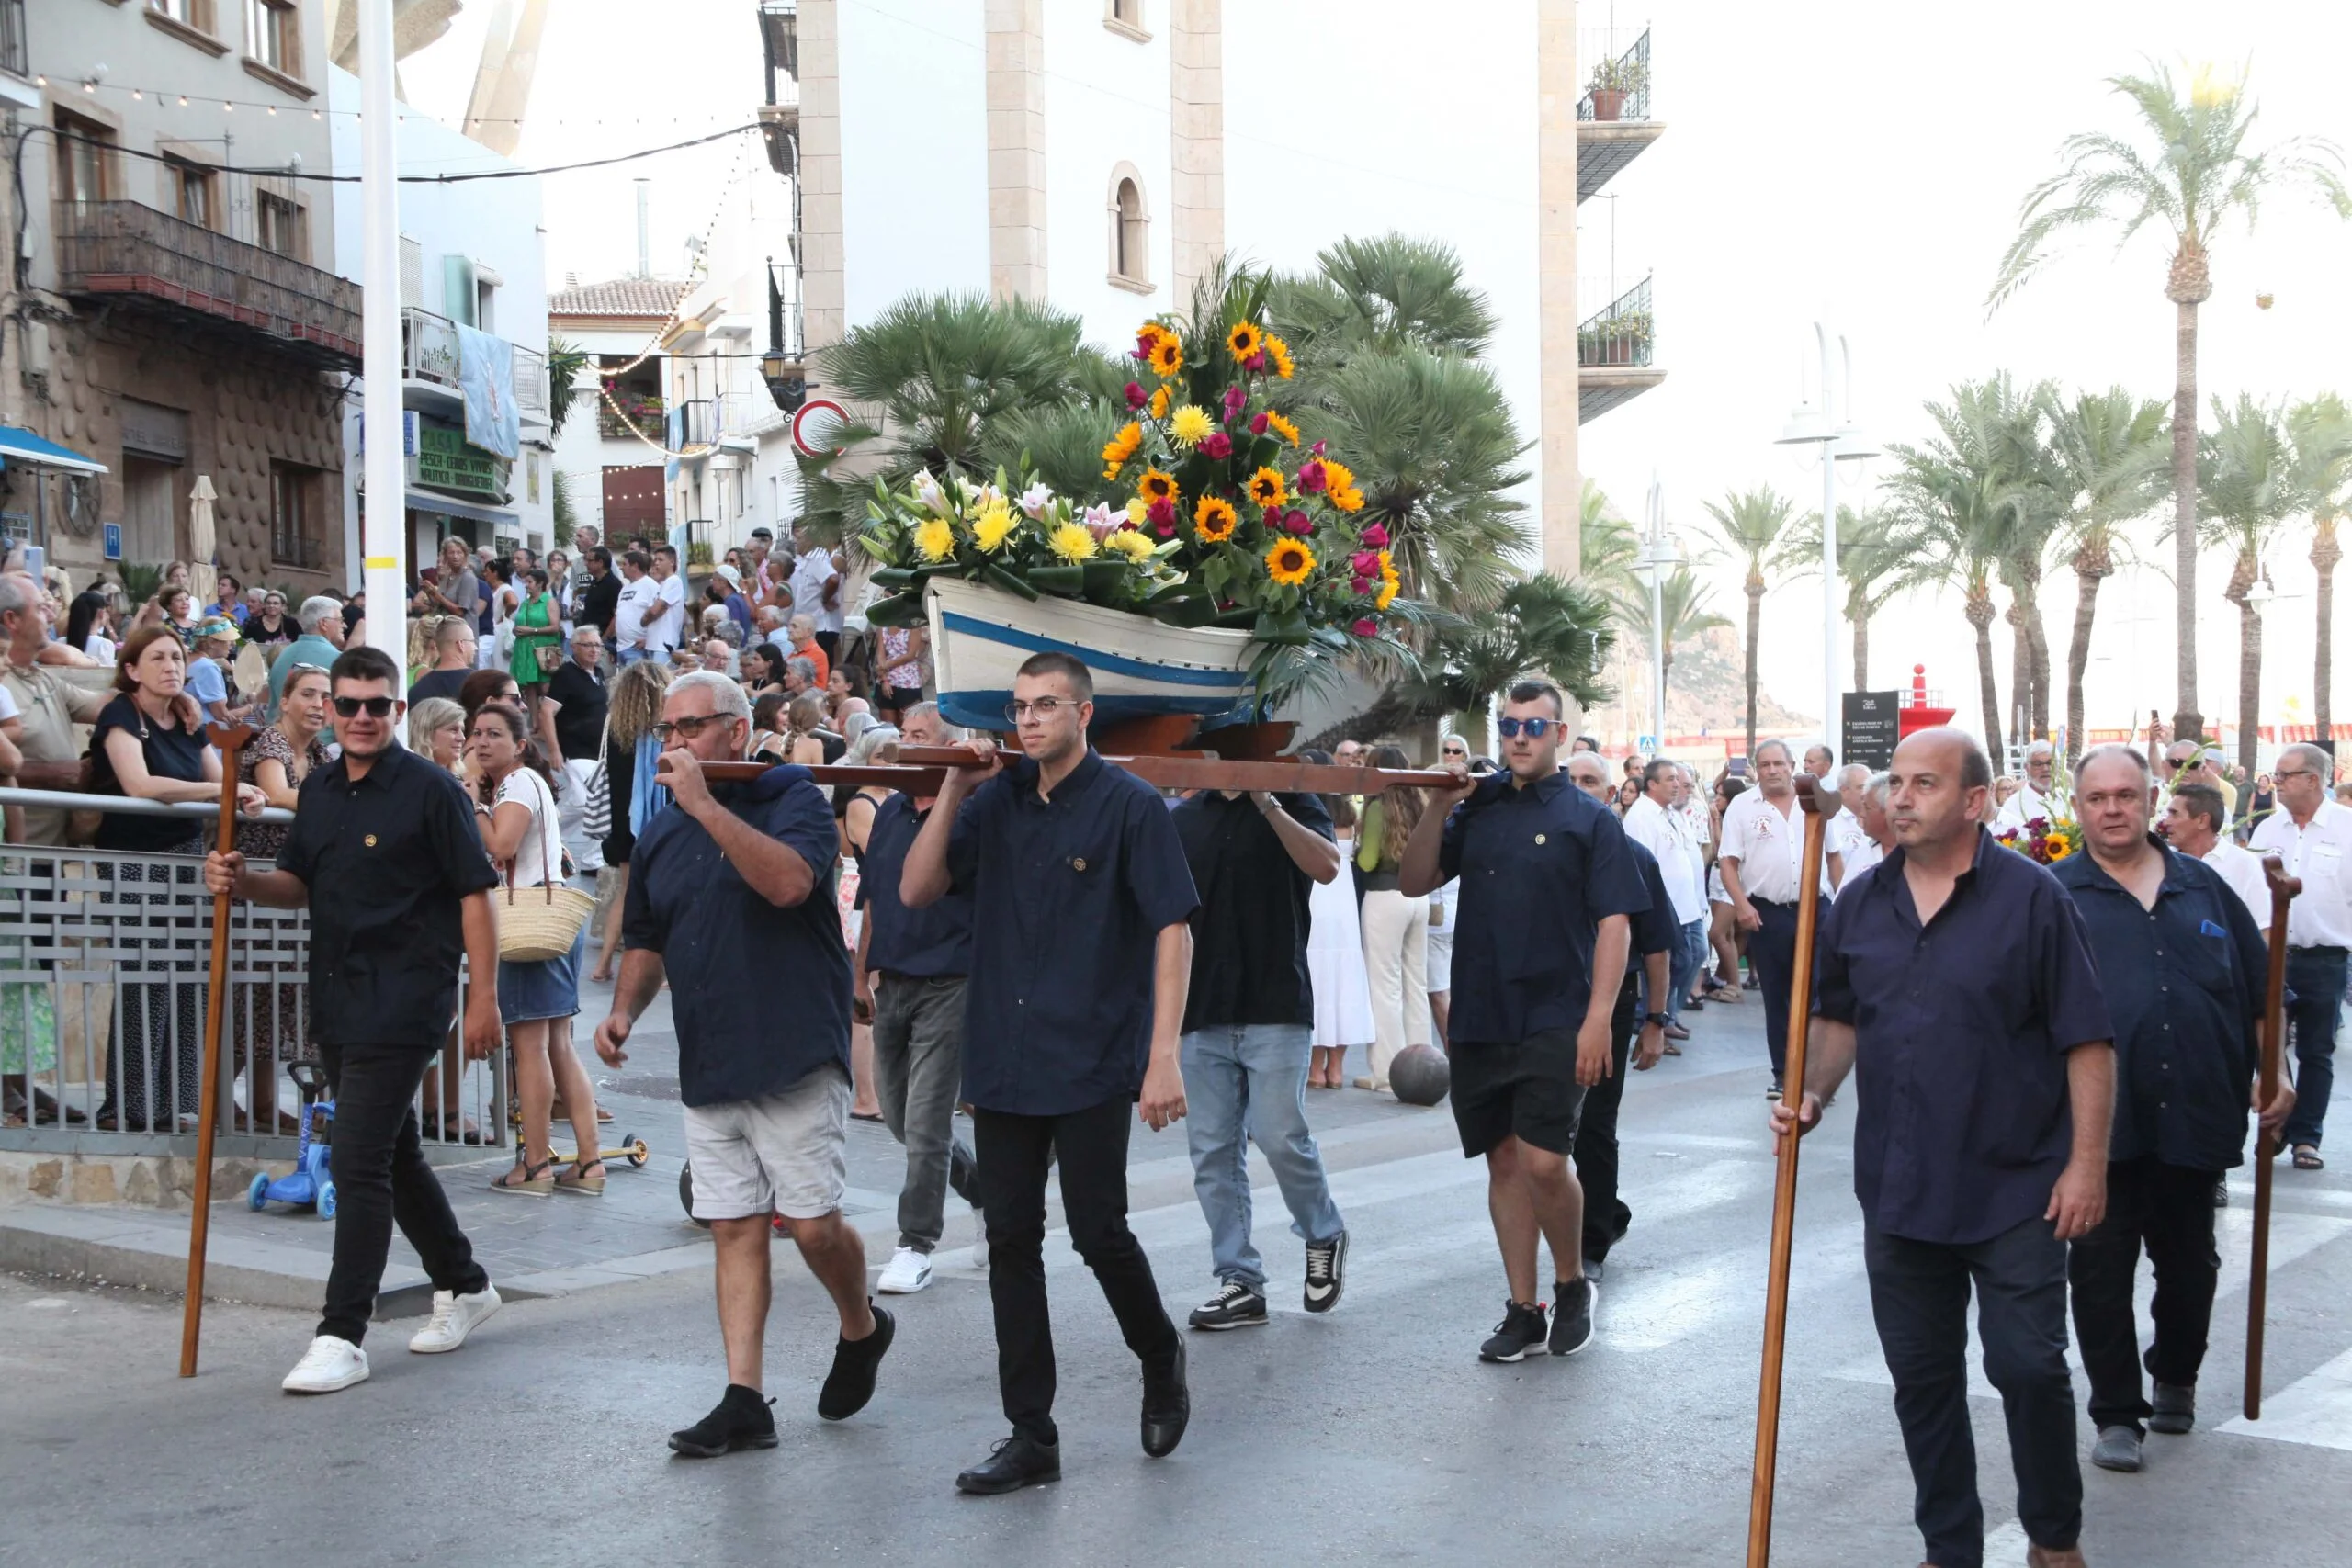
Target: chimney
[[644, 229]]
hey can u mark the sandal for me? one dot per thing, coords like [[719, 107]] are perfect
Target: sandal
[[575, 1179], [468, 1131], [2307, 1157], [536, 1181]]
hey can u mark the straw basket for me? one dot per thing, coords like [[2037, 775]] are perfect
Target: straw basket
[[532, 930]]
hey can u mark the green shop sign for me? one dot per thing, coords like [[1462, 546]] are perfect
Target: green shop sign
[[442, 460]]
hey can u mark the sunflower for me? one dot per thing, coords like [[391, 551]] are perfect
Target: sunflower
[[1279, 352], [1389, 583], [1071, 541], [1214, 518], [1149, 335], [1160, 403], [1266, 488], [1281, 427], [1156, 486], [935, 538], [1130, 543], [1245, 340], [1167, 355], [1289, 562], [1124, 446], [992, 527], [1190, 426]]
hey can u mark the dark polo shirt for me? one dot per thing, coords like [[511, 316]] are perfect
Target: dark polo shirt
[[1070, 896], [388, 858], [1249, 933], [927, 943], [1961, 1026]]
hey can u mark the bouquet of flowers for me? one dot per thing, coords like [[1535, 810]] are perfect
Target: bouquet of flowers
[[2046, 840], [1015, 535]]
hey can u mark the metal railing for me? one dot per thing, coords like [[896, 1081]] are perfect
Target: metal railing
[[698, 423], [1624, 334], [14, 56], [1617, 84], [126, 248], [644, 411], [429, 353]]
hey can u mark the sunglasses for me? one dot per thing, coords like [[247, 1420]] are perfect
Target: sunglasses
[[1533, 729], [349, 707], [689, 727]]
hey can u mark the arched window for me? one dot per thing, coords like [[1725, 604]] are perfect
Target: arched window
[[1130, 231]]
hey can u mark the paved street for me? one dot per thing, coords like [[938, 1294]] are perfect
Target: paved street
[[1371, 1436]]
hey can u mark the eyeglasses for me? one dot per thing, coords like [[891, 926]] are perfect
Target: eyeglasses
[[689, 727], [1044, 708], [349, 708], [1455, 750], [2296, 773], [299, 668], [1533, 729]]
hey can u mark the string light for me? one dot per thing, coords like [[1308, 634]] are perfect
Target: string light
[[164, 95]]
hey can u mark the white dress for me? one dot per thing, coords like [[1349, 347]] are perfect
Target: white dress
[[1335, 961]]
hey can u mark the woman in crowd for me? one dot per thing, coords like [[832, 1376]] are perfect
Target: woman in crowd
[[559, 584], [1628, 792], [537, 998], [771, 741], [841, 690], [436, 728], [853, 810], [87, 622], [1723, 934], [762, 671], [488, 686], [806, 720], [209, 681], [148, 746], [1396, 928], [538, 640], [1335, 956], [271, 623], [498, 578], [897, 684], [268, 1015], [630, 751]]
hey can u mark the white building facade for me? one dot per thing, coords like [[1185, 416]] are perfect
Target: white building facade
[[612, 451]]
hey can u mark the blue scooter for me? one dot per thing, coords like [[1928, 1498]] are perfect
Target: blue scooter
[[308, 1184]]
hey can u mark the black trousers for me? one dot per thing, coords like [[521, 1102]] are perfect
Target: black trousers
[[1014, 1152], [1772, 953], [1919, 1298], [1606, 1218], [381, 1180], [2168, 1208]]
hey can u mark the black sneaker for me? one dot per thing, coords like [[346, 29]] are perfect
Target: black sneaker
[[1572, 1315], [1520, 1330], [1774, 1092], [855, 1361], [1015, 1461], [742, 1420], [1327, 1272], [1234, 1305]]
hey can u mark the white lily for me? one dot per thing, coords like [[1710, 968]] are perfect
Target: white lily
[[1036, 498], [927, 490]]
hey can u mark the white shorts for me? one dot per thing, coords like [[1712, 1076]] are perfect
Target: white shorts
[[783, 1153], [1440, 955]]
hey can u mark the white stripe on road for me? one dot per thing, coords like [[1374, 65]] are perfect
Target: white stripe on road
[[2315, 1408]]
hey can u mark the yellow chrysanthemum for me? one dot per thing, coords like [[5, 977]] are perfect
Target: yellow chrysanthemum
[[1160, 403], [992, 527], [1167, 355], [1245, 340], [1214, 519], [1190, 426], [1139, 512], [1289, 563], [1156, 486], [935, 538], [1071, 542], [1281, 427], [1279, 352], [1130, 543], [1266, 488]]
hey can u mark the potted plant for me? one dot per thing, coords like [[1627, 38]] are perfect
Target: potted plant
[[1612, 81]]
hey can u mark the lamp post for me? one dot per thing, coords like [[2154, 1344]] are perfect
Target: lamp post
[[383, 544], [1840, 442], [1659, 557]]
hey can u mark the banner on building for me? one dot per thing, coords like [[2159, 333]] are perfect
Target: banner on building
[[486, 378]]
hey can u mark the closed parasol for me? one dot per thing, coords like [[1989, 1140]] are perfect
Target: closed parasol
[[200, 540]]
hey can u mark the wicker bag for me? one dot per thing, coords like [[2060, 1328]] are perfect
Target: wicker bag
[[531, 931]]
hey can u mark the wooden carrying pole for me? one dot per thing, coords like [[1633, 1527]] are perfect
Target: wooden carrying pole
[[2283, 889], [1784, 1189], [919, 770], [230, 739]]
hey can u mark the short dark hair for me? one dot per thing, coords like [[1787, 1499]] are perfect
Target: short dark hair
[[669, 550], [365, 663], [1589, 742], [1068, 666], [1537, 691], [1658, 768], [2204, 801], [638, 560], [1975, 768], [600, 556]]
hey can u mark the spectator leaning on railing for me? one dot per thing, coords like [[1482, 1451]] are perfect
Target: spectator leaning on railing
[[51, 706]]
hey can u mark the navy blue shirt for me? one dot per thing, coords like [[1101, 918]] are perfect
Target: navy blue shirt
[[1961, 1030], [1249, 933], [1070, 896], [923, 943], [2185, 983], [1541, 867], [732, 955]]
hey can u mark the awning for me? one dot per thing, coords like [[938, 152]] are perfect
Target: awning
[[23, 446], [449, 506]]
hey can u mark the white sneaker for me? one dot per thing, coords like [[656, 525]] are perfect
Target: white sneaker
[[329, 1364], [454, 1317], [980, 1241], [907, 1272]]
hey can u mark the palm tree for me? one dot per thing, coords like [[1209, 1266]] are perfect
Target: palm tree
[[2106, 466], [1380, 294], [2033, 515], [1880, 553], [1682, 612], [2322, 432], [1606, 545], [1538, 625], [2191, 175], [2246, 473], [1754, 523]]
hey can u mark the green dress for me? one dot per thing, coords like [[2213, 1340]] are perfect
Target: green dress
[[535, 629]]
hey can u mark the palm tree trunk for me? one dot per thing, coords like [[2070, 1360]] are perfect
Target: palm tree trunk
[[1863, 650], [2020, 673], [2325, 554], [1755, 627], [1980, 615], [2249, 685], [2188, 724], [2078, 654], [2038, 638]]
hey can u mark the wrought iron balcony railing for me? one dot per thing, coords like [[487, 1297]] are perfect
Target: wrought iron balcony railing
[[429, 353], [1618, 85], [1624, 334]]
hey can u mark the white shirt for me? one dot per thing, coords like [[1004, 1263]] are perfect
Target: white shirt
[[1769, 843], [811, 570], [1664, 835], [2320, 853], [670, 629], [629, 630], [2030, 803], [1838, 837], [539, 858], [1859, 857], [2242, 869]]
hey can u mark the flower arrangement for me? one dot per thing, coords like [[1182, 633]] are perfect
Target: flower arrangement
[[1015, 535], [2043, 839]]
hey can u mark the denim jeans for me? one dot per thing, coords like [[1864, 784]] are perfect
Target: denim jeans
[[1682, 965], [2315, 975], [918, 1073], [1246, 1082]]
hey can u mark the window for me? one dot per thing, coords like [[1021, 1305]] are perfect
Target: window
[[190, 187], [296, 516], [274, 35], [1125, 17], [1130, 233], [195, 15], [86, 159], [282, 226]]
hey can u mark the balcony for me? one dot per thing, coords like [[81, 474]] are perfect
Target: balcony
[[780, 115], [698, 424], [643, 409], [134, 255], [1614, 351], [1613, 123], [429, 366]]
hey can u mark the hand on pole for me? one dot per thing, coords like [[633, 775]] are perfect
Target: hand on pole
[[1804, 1119], [2278, 1108], [223, 872]]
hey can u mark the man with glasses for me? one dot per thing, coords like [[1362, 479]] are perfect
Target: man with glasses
[[726, 881], [321, 618], [2314, 836], [1081, 952], [1548, 886], [49, 705], [453, 660], [385, 855]]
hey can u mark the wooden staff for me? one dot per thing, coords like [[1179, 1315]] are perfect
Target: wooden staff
[[1784, 1190], [2283, 889], [920, 770], [230, 739]]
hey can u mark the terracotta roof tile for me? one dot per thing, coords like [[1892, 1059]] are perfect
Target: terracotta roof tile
[[655, 297]]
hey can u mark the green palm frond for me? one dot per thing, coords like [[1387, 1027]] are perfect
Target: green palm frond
[[2247, 478], [1883, 550], [1379, 294], [1753, 524], [1540, 626]]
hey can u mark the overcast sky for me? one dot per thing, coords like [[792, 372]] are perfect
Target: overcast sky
[[1858, 163]]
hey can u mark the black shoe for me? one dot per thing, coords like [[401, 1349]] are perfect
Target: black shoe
[[1521, 1331], [1327, 1272], [1167, 1406], [851, 1382], [1015, 1461], [1774, 1092], [1572, 1315], [2220, 1192], [742, 1420], [1694, 1006], [1234, 1305], [1594, 1268], [2174, 1407]]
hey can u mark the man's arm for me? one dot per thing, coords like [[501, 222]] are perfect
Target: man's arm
[[862, 990], [1171, 977], [2079, 1201], [1418, 873], [639, 983], [1308, 850], [1649, 1043], [1744, 911], [770, 868], [273, 889], [925, 879], [1610, 942], [482, 1026]]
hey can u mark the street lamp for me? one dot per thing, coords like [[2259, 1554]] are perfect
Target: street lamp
[[1840, 441], [1657, 559]]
